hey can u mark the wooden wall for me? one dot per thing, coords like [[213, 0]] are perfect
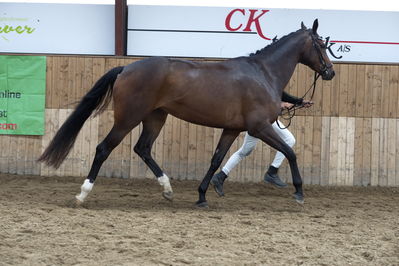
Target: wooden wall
[[349, 137]]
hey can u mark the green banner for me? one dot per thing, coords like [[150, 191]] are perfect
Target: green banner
[[22, 94]]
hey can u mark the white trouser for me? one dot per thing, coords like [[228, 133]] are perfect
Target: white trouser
[[249, 145]]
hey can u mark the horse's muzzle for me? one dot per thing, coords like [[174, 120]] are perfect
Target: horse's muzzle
[[328, 74]]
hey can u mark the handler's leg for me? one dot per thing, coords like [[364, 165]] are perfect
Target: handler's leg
[[247, 147]]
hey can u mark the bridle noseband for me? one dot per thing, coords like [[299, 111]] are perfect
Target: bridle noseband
[[318, 47]]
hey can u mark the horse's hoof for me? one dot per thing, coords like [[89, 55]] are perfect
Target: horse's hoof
[[202, 204], [299, 198], [78, 202], [168, 195]]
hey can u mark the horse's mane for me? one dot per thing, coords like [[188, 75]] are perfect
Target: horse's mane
[[276, 42]]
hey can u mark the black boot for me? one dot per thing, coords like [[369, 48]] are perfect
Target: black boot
[[217, 182], [272, 177]]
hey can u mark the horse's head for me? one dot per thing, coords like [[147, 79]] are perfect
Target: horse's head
[[315, 53]]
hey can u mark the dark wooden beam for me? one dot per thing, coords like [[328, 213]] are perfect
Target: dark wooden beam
[[120, 27]]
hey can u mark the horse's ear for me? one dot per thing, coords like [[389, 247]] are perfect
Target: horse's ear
[[303, 26], [315, 26]]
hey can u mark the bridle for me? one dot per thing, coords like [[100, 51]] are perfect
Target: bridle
[[318, 47], [289, 113]]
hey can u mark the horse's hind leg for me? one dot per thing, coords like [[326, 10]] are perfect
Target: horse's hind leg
[[103, 150], [270, 137], [152, 125], [226, 139]]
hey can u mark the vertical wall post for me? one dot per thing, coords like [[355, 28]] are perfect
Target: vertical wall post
[[120, 27]]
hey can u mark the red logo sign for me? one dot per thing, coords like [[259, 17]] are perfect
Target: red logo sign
[[253, 18]]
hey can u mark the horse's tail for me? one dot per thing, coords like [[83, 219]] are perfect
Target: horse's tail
[[95, 100]]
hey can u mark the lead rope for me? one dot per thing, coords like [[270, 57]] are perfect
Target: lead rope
[[288, 113]]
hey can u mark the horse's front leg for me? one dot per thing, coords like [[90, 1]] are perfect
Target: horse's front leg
[[266, 133], [226, 139]]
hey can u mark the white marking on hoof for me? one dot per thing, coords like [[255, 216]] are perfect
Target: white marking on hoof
[[84, 190], [164, 181]]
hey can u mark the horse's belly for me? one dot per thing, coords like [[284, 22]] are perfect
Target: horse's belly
[[207, 117]]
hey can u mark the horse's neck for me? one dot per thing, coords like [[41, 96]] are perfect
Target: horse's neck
[[280, 63]]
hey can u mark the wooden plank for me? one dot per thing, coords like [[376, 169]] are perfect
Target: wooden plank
[[308, 150], [350, 151], [335, 92], [325, 150], [21, 154], [343, 105], [385, 92], [397, 156], [55, 84], [342, 143], [333, 158], [63, 82], [192, 147], [367, 151], [300, 144], [383, 153], [5, 156], [87, 79], [377, 91], [74, 81], [360, 90], [368, 92], [393, 92], [352, 89], [392, 143], [49, 79], [375, 149], [358, 155], [37, 152], [316, 153]]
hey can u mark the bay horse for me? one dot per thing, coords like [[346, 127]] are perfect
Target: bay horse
[[239, 94]]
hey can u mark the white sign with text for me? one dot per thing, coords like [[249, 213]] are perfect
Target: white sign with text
[[57, 28], [223, 32]]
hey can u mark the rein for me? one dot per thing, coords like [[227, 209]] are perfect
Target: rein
[[289, 113]]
